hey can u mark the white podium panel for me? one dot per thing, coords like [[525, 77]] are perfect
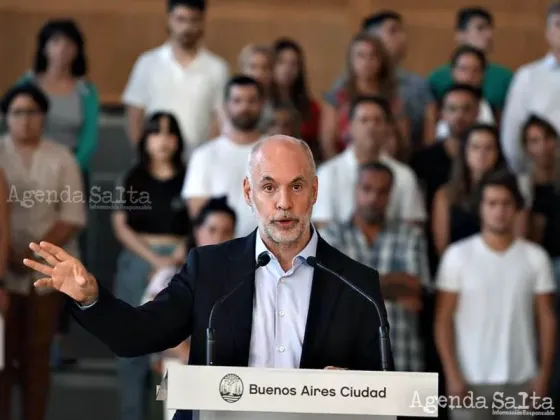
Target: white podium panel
[[235, 393]]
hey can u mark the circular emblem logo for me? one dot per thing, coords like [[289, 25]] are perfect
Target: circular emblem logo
[[231, 388]]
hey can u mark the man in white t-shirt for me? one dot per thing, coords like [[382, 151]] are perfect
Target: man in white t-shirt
[[181, 77], [218, 167], [369, 117], [492, 289]]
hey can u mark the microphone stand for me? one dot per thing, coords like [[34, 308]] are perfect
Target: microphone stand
[[384, 342]]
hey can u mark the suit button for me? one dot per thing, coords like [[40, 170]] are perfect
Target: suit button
[[281, 349]]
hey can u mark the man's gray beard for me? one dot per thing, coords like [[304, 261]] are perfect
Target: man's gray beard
[[267, 230]]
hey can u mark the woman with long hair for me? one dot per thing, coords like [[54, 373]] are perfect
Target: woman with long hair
[[454, 216], [369, 72], [60, 69], [151, 223], [290, 87]]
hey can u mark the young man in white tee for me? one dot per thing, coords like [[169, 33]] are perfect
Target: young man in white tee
[[218, 167], [181, 77], [494, 289], [369, 119]]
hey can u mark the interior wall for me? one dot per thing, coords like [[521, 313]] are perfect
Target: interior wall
[[118, 31]]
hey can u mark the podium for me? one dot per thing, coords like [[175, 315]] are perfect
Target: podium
[[216, 393]]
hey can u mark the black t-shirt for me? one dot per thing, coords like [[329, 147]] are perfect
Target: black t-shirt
[[547, 203], [432, 166], [462, 224], [154, 206]]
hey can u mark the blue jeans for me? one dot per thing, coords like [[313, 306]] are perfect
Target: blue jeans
[[133, 373]]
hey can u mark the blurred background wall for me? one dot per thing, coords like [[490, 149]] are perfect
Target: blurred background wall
[[118, 31]]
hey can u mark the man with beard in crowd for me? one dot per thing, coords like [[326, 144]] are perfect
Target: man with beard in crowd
[[218, 167], [181, 77]]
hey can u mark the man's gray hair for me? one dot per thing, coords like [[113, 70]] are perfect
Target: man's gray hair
[[293, 140]]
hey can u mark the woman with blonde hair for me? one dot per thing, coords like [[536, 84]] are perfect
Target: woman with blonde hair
[[370, 72]]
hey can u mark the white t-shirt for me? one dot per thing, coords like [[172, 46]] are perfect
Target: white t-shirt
[[217, 168], [337, 181], [494, 321], [485, 116], [159, 83]]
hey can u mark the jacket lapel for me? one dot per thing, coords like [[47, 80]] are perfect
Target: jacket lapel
[[325, 291], [240, 306]]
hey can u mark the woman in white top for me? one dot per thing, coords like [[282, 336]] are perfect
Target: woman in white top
[[467, 67]]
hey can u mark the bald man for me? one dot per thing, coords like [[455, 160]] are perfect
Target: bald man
[[324, 323]]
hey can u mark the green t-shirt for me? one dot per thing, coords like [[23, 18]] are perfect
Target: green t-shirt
[[494, 87]]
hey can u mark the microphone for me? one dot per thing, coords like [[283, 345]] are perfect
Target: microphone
[[262, 260], [384, 325]]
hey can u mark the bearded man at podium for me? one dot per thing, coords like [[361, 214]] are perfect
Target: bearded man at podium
[[282, 312]]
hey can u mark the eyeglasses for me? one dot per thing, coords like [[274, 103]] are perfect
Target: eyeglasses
[[20, 113]]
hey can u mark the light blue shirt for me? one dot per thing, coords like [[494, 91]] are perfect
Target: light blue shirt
[[280, 309]]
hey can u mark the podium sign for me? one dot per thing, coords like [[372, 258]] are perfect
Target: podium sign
[[298, 391]]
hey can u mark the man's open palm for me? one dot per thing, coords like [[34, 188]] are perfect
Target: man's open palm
[[64, 273]]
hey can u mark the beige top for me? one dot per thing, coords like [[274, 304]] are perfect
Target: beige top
[[48, 190]]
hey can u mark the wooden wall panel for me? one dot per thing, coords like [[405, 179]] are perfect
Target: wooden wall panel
[[118, 31]]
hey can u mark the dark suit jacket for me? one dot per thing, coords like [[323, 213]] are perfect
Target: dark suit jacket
[[341, 330]]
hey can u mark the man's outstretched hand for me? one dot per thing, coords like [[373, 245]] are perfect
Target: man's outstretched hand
[[64, 273]]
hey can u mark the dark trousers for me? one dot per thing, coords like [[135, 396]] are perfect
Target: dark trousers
[[31, 322]]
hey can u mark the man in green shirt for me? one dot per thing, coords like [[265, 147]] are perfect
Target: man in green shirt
[[475, 27]]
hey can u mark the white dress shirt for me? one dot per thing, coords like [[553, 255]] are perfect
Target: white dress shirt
[[535, 89], [337, 185], [280, 309]]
